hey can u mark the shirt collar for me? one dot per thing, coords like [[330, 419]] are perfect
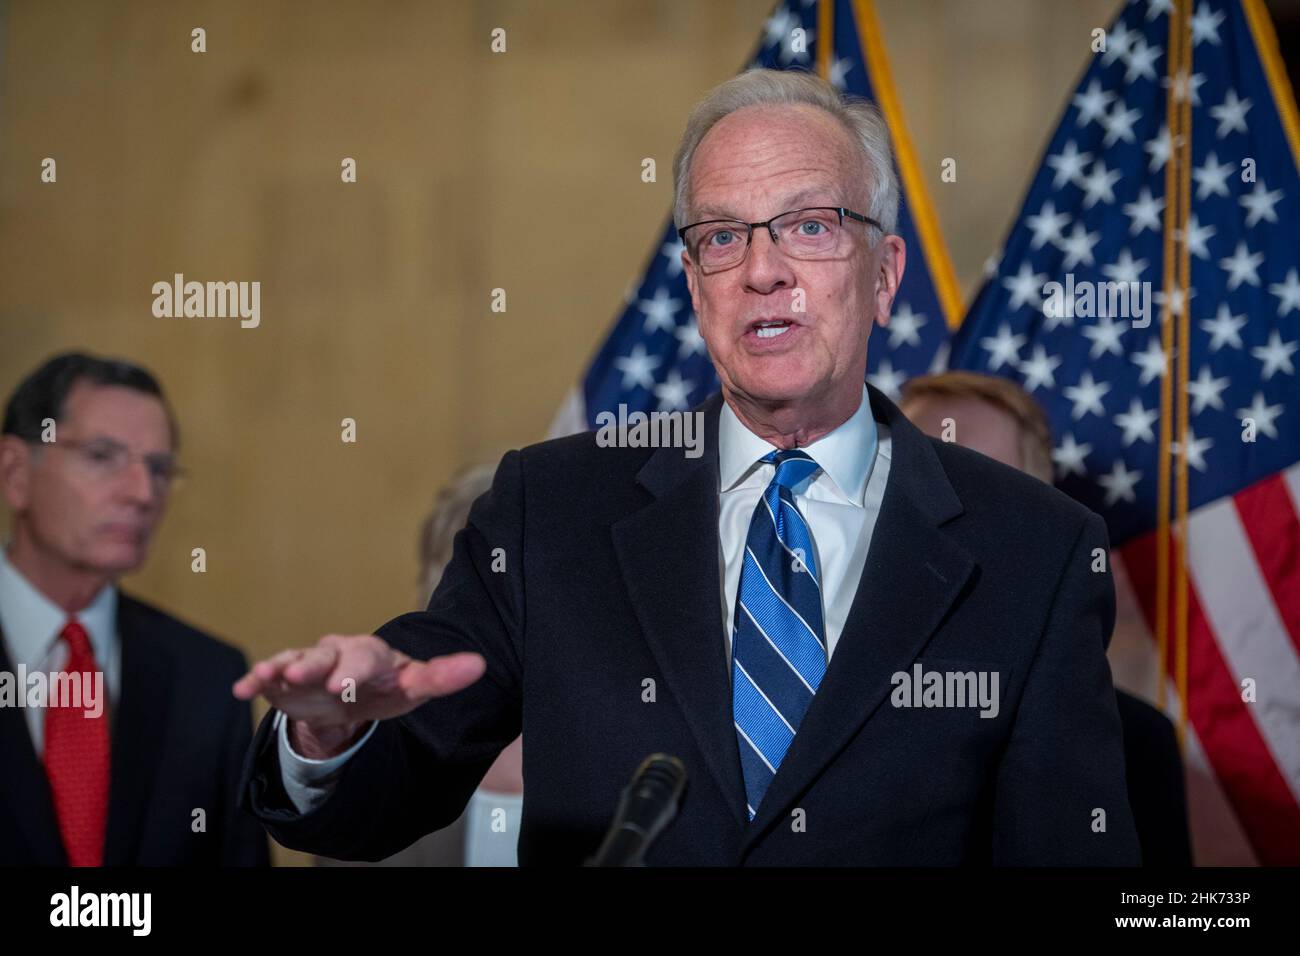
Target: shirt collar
[[32, 622], [845, 454]]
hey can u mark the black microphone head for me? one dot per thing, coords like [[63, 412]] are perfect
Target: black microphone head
[[660, 775], [648, 805]]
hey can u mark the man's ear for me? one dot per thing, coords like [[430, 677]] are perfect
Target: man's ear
[[893, 258], [15, 471]]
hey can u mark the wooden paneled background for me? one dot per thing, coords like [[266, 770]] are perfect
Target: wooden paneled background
[[518, 170]]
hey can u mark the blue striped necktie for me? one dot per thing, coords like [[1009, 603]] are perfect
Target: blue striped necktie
[[779, 644]]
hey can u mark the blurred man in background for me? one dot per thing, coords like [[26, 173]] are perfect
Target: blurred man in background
[[143, 768], [997, 417]]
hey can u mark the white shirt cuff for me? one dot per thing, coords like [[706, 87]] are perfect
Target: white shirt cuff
[[309, 782]]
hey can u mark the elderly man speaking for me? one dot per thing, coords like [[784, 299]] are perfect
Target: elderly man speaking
[[866, 646]]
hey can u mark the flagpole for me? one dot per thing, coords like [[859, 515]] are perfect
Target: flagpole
[[1170, 232], [1265, 37], [1183, 94], [825, 37], [923, 216]]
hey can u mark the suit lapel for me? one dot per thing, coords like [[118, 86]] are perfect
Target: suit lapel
[[26, 789], [139, 724], [668, 555], [912, 575]]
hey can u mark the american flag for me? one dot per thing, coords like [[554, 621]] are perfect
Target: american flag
[[1097, 211], [654, 359]]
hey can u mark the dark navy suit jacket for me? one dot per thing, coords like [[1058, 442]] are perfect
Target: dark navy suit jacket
[[177, 744], [611, 581]]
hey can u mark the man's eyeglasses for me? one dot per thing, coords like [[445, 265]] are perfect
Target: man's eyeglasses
[[816, 232], [103, 459]]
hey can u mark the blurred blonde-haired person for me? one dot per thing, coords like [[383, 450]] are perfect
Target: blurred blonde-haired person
[[487, 832]]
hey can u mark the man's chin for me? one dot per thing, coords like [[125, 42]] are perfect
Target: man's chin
[[773, 388], [117, 560]]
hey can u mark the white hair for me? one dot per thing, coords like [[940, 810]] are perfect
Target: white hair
[[763, 87]]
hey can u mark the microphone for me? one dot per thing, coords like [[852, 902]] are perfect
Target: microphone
[[648, 805]]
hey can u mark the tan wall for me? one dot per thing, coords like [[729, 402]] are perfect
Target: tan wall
[[475, 171]]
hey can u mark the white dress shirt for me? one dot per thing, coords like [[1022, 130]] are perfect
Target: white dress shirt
[[32, 623], [840, 502]]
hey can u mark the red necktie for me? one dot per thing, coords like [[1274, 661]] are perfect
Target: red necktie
[[76, 758]]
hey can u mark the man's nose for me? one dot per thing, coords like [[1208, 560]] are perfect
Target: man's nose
[[136, 482], [766, 266]]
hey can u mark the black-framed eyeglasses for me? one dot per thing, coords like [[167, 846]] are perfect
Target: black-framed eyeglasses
[[103, 459], [814, 232]]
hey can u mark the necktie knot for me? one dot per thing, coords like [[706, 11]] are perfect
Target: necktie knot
[[792, 466], [78, 641]]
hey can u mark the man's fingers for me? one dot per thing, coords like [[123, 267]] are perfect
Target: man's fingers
[[441, 675], [307, 682], [312, 666], [296, 666], [247, 687], [264, 674], [364, 662], [271, 668]]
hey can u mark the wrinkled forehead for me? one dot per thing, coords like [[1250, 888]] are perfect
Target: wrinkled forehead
[[768, 156], [133, 418]]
